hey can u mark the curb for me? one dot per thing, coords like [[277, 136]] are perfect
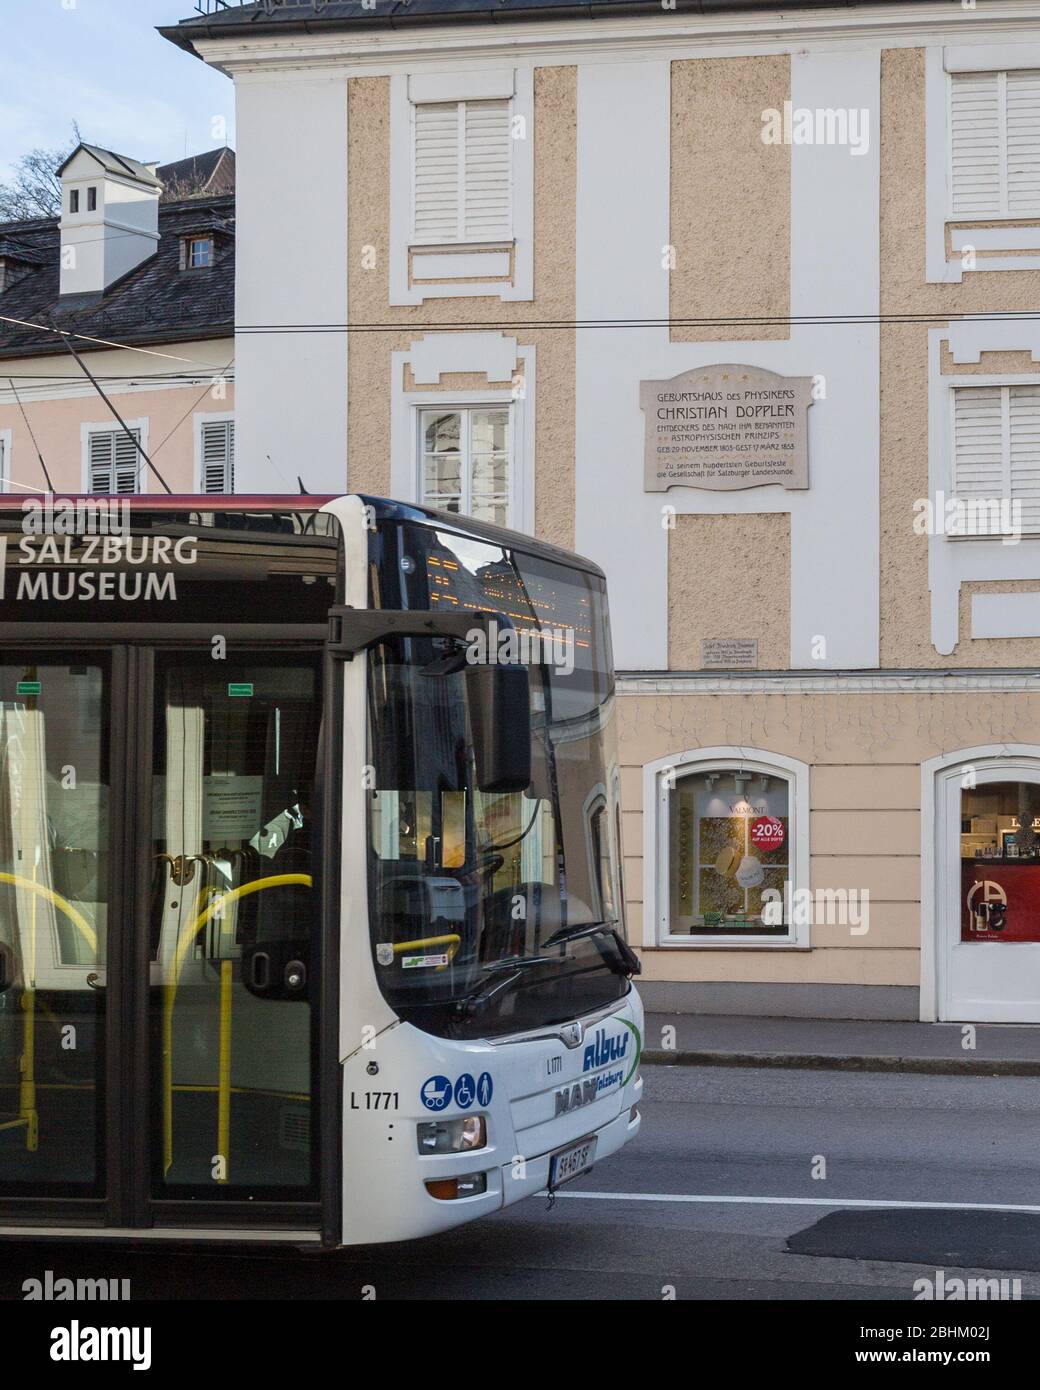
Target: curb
[[816, 1061]]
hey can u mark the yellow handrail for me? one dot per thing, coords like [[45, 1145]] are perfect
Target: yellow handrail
[[224, 1072], [452, 940], [28, 1115], [184, 943], [63, 905]]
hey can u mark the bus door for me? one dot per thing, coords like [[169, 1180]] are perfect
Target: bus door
[[158, 928]]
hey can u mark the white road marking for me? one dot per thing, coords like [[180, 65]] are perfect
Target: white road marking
[[848, 1202]]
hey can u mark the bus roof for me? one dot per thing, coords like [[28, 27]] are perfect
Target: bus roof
[[384, 508], [180, 501]]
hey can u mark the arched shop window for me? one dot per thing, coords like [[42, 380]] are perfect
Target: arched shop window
[[730, 834]]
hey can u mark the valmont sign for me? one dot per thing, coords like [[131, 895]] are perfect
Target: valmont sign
[[726, 427]]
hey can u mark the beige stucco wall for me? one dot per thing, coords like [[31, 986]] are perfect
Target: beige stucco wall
[[56, 421], [865, 752], [730, 576], [730, 199], [369, 354], [905, 599]]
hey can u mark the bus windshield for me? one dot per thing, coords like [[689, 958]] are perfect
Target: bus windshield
[[493, 913]]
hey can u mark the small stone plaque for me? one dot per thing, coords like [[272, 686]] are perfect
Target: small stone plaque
[[730, 653]]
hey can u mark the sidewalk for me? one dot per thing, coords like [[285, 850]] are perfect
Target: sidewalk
[[703, 1040]]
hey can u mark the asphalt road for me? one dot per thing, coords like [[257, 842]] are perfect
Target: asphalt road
[[732, 1153]]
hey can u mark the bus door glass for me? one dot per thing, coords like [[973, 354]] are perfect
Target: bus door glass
[[233, 925], [54, 788]]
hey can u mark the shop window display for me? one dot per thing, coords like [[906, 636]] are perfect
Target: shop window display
[[730, 845], [1000, 862]]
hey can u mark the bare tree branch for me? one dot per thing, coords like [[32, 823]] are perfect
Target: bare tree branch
[[35, 190]]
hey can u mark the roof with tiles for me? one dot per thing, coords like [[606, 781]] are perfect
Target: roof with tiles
[[156, 302]]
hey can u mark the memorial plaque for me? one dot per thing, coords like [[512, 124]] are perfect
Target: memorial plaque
[[726, 427], [730, 653]]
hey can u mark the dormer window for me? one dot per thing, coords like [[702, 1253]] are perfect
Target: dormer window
[[198, 252], [74, 200], [92, 200]]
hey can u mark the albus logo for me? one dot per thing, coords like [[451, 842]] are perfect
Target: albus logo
[[603, 1049]]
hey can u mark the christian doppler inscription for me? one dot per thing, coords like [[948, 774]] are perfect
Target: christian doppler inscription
[[726, 427]]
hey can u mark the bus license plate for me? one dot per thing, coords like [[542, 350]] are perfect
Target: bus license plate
[[568, 1163]]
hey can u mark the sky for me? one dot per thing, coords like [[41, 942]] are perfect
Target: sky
[[101, 63]]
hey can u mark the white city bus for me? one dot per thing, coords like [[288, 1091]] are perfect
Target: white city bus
[[311, 909]]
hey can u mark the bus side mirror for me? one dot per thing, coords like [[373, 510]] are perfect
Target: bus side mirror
[[499, 698]]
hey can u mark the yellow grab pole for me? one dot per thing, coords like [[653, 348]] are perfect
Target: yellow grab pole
[[224, 1073], [62, 904], [452, 940], [27, 1091], [184, 943]]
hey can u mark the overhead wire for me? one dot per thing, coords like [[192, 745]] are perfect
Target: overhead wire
[[32, 436]]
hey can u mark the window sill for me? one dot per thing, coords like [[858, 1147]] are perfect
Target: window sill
[[981, 220], [703, 944], [427, 248], [461, 263], [1000, 538]]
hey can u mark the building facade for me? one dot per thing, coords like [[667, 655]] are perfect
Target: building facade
[[138, 269], [606, 278]]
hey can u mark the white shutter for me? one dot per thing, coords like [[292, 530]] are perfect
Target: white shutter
[[127, 462], [437, 172], [978, 442], [114, 461], [486, 156], [975, 140], [218, 456], [1024, 432], [462, 190], [1023, 142]]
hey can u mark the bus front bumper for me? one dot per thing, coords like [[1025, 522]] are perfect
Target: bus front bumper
[[524, 1179]]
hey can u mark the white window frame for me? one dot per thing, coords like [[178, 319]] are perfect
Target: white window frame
[[495, 400], [498, 358], [987, 558], [1003, 213], [107, 427], [1003, 384], [456, 270], [6, 441], [657, 793], [459, 239], [207, 418], [941, 64], [193, 241]]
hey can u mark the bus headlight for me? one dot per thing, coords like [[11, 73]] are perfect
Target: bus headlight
[[452, 1136]]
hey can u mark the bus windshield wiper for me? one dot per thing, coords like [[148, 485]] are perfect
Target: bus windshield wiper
[[496, 967], [608, 930]]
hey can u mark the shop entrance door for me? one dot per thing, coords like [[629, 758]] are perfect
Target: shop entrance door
[[988, 955]]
